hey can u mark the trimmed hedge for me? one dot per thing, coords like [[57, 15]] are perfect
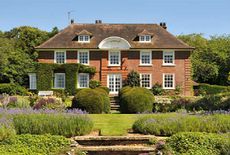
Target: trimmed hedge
[[208, 89], [34, 144], [92, 100], [56, 124], [45, 75], [136, 100], [198, 143], [169, 124], [12, 89]]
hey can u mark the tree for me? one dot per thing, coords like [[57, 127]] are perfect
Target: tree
[[210, 59], [53, 32], [133, 79], [27, 38]]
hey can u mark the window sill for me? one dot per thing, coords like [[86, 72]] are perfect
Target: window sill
[[145, 65], [168, 88], [114, 65], [168, 65], [57, 88]]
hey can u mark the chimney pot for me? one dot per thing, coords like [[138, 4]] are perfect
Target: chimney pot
[[163, 25], [98, 21], [72, 21]]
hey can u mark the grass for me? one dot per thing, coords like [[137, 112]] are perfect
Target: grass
[[113, 124]]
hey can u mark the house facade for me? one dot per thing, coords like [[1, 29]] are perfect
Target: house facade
[[115, 50]]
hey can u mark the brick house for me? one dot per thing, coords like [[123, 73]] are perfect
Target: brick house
[[115, 50]]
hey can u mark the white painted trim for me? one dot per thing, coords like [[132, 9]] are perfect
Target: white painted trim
[[145, 40], [150, 83], [78, 80], [56, 81], [84, 40], [125, 43], [55, 60], [30, 81], [118, 55], [114, 82], [141, 52], [78, 60], [168, 52], [170, 88]]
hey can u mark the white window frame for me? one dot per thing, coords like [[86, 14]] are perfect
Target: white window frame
[[55, 54], [119, 64], [171, 52], [141, 53], [150, 78], [173, 87], [55, 82], [32, 86], [78, 56], [84, 39], [78, 80], [114, 82], [145, 39]]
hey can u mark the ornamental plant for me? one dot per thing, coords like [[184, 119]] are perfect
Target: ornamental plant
[[133, 79]]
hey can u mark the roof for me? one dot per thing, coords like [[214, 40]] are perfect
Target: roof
[[84, 32], [161, 38], [145, 32]]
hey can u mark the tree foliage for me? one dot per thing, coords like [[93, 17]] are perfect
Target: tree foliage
[[211, 58]]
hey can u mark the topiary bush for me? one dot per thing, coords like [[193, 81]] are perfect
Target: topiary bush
[[92, 100], [198, 143], [136, 100]]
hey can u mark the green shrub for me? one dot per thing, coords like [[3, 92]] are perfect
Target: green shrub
[[94, 84], [92, 100], [34, 144], [208, 89], [12, 89], [133, 79], [7, 130], [169, 124], [20, 102], [211, 103], [105, 88], [136, 100], [199, 143], [157, 89], [56, 124]]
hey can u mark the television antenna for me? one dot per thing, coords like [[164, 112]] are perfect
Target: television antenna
[[69, 15]]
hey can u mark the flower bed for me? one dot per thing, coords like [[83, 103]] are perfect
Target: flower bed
[[169, 124]]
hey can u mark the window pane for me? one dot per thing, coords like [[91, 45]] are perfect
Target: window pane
[[83, 57], [60, 57], [59, 80], [145, 57], [83, 80], [114, 58], [145, 80], [168, 57], [147, 38], [168, 81], [33, 81]]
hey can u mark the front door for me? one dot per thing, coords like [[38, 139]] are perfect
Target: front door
[[114, 83]]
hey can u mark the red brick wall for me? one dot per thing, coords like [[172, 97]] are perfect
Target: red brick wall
[[130, 60]]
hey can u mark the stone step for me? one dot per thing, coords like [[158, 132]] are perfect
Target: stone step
[[117, 150], [112, 140]]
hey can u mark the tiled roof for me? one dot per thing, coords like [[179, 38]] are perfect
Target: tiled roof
[[161, 39]]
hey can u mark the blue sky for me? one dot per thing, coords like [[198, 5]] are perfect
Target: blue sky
[[211, 17]]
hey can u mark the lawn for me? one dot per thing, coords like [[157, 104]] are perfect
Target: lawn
[[113, 124]]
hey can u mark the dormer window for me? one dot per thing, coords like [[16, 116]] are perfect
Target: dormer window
[[145, 38], [84, 38]]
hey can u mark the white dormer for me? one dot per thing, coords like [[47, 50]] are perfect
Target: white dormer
[[84, 38], [145, 38]]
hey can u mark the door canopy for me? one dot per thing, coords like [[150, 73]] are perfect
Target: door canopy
[[114, 43]]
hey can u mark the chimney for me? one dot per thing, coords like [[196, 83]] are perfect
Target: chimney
[[98, 22], [163, 25], [72, 21]]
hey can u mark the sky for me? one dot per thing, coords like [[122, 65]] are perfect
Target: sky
[[210, 17]]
